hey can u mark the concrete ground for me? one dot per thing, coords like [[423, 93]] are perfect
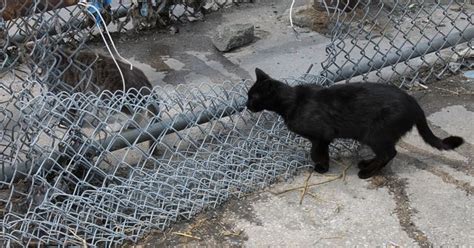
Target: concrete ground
[[424, 197], [189, 56]]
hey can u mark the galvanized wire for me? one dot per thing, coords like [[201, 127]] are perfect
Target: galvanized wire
[[379, 39], [75, 170], [103, 195]]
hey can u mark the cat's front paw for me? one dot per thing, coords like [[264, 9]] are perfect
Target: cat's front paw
[[319, 168], [364, 164], [364, 174]]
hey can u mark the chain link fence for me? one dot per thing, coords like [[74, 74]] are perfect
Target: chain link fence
[[85, 166], [405, 42]]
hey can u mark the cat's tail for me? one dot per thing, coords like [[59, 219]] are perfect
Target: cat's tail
[[448, 143]]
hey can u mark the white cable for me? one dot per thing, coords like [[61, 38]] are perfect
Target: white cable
[[86, 5], [291, 20], [291, 13], [110, 37], [326, 7]]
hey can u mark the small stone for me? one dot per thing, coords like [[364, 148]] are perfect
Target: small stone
[[454, 66], [210, 7], [228, 37], [173, 30]]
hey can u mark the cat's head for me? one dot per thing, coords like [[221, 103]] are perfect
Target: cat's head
[[262, 95]]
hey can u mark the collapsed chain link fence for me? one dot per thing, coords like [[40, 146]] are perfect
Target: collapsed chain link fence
[[76, 169]]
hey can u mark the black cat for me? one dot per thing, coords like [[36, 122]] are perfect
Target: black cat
[[91, 72], [377, 115]]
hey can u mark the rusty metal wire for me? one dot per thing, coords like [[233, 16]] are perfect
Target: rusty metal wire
[[77, 170]]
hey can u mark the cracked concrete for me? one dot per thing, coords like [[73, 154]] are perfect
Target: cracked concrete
[[423, 198], [397, 187]]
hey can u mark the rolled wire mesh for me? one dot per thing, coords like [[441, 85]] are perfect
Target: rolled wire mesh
[[76, 170]]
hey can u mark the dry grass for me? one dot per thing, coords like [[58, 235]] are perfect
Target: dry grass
[[304, 189]]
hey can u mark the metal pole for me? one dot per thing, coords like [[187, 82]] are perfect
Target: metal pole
[[382, 61], [121, 140]]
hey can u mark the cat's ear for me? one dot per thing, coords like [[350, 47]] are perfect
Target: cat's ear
[[261, 76]]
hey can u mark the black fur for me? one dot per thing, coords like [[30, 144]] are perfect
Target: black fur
[[377, 115], [87, 71], [92, 72]]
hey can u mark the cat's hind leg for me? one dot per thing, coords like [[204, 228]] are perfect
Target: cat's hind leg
[[320, 155], [384, 153]]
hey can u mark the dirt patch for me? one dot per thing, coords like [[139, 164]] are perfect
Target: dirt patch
[[242, 209], [397, 188], [450, 86], [210, 228], [317, 20]]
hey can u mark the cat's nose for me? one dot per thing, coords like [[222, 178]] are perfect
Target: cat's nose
[[250, 106]]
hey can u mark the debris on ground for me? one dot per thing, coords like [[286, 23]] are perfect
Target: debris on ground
[[304, 189], [462, 59]]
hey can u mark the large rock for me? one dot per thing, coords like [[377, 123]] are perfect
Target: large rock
[[308, 17], [228, 37]]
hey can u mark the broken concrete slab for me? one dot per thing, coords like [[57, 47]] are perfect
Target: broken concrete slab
[[228, 37]]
